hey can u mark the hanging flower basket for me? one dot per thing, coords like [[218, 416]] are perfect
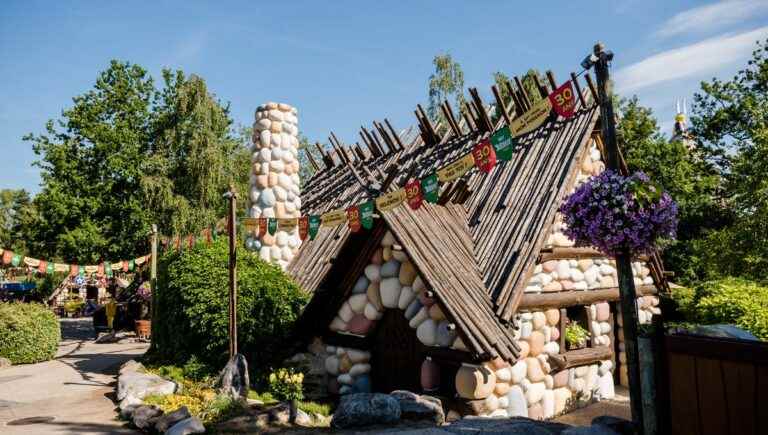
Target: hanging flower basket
[[612, 212]]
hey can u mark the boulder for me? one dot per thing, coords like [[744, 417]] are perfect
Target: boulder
[[475, 382], [388, 239], [418, 285], [535, 392], [138, 384], [233, 379], [164, 422], [245, 424], [602, 311], [357, 302], [560, 379], [359, 369], [525, 349], [377, 258], [373, 272], [539, 320], [390, 292], [399, 255], [446, 334], [504, 374], [371, 312], [605, 387], [358, 356], [345, 312], [421, 316], [548, 403], [562, 395], [436, 313], [128, 405], [407, 273], [536, 412], [413, 309], [415, 407], [360, 325], [144, 416], [363, 409], [501, 389], [187, 426], [429, 375]]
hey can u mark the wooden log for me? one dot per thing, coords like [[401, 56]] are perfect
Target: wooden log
[[569, 298], [523, 95], [519, 107], [501, 104], [327, 159], [592, 88], [581, 357], [575, 81], [576, 253], [467, 115], [394, 134], [451, 121], [311, 160], [482, 114], [551, 79]]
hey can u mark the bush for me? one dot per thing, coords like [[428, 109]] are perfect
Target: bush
[[734, 301], [286, 384], [190, 315], [29, 333]]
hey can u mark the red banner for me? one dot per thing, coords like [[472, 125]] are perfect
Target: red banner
[[43, 266], [100, 271], [303, 227], [262, 227], [74, 269], [564, 100], [484, 155], [414, 195], [7, 257], [125, 263], [353, 219]]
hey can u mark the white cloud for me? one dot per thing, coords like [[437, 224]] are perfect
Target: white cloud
[[712, 16], [689, 61]]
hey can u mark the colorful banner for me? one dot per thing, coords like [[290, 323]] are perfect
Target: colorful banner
[[287, 224], [262, 227], [60, 267], [271, 226], [303, 227], [413, 194], [532, 119], [16, 260], [391, 200], [251, 226], [503, 143], [353, 219], [314, 226], [563, 100], [42, 266], [484, 156], [334, 218], [7, 256], [366, 214], [430, 188], [456, 169], [31, 262]]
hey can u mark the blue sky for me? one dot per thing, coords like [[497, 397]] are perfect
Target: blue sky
[[346, 63]]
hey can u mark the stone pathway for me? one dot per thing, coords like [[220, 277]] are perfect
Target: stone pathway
[[71, 394]]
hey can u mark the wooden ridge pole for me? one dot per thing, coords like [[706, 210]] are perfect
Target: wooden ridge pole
[[627, 291], [575, 81]]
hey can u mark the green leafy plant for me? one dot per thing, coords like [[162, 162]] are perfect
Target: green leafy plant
[[191, 314], [575, 335], [74, 305], [286, 384], [29, 333]]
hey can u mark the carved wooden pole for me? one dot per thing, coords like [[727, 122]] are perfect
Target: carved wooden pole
[[231, 196], [600, 58]]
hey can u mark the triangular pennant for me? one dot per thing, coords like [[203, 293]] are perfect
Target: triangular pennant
[[430, 188], [50, 268], [456, 169], [73, 270], [16, 260], [31, 262], [125, 263], [131, 265], [271, 226], [563, 100], [414, 194], [81, 271], [262, 227], [191, 241], [42, 267], [251, 226], [484, 155], [90, 269], [353, 218], [314, 226], [100, 270], [504, 144], [176, 244], [366, 214], [334, 218], [107, 269], [303, 227], [391, 200], [7, 256], [60, 267], [214, 235]]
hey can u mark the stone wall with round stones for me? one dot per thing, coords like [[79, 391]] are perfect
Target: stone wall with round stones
[[348, 370], [391, 281], [647, 307], [275, 184]]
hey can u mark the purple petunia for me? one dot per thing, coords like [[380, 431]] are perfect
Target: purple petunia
[[612, 212]]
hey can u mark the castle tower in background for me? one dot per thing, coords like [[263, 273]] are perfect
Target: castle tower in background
[[275, 184], [680, 132]]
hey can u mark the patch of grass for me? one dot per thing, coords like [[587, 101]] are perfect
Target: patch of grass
[[312, 408], [265, 397]]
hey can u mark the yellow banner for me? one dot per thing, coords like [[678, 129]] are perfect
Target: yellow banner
[[334, 218], [532, 119], [91, 269], [251, 225], [59, 267], [31, 262], [141, 260], [117, 266], [287, 224], [456, 169], [391, 200]]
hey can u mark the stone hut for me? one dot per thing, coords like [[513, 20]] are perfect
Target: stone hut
[[468, 299]]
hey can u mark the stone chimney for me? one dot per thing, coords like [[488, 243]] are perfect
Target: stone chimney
[[275, 190]]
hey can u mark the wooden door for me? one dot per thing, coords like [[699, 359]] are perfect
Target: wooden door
[[396, 355]]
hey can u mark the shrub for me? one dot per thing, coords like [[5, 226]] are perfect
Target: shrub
[[734, 301], [29, 333], [190, 316], [575, 335], [286, 384]]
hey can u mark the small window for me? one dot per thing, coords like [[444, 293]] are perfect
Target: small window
[[576, 324]]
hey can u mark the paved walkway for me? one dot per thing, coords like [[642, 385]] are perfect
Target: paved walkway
[[73, 392]]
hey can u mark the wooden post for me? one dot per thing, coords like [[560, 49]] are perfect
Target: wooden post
[[627, 291], [231, 195], [153, 267]]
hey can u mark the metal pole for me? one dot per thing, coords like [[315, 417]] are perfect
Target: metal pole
[[232, 196], [601, 58]]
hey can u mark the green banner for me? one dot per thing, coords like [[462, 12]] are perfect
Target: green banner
[[272, 226], [131, 265], [16, 260], [314, 226], [108, 269], [49, 268], [504, 144], [366, 214], [81, 270], [430, 188]]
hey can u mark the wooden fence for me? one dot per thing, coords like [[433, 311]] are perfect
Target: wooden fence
[[715, 386]]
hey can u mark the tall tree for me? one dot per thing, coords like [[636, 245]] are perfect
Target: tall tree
[[15, 208], [446, 83]]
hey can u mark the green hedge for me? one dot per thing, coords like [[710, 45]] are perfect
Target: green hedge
[[29, 333], [736, 301], [190, 313]]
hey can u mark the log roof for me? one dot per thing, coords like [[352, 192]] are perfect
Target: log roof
[[478, 246]]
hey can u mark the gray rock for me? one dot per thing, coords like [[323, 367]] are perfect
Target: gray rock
[[362, 409], [245, 424], [128, 405], [280, 413], [187, 426], [132, 381], [620, 425], [415, 407], [233, 380], [144, 416], [302, 418], [5, 363], [165, 421], [507, 426]]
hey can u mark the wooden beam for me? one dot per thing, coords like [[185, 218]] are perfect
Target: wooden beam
[[575, 81], [467, 115], [519, 106], [569, 298], [450, 111], [394, 134], [384, 135], [576, 253], [500, 104], [451, 121], [327, 159], [428, 125], [581, 357], [311, 159], [482, 113], [523, 95], [542, 88], [551, 79], [592, 88]]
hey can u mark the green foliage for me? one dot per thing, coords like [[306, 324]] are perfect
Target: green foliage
[[447, 82], [74, 305], [575, 335], [312, 408], [15, 209], [29, 333], [265, 397], [191, 307], [286, 384], [735, 301]]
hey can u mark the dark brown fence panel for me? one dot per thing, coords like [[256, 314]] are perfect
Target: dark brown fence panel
[[716, 386]]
